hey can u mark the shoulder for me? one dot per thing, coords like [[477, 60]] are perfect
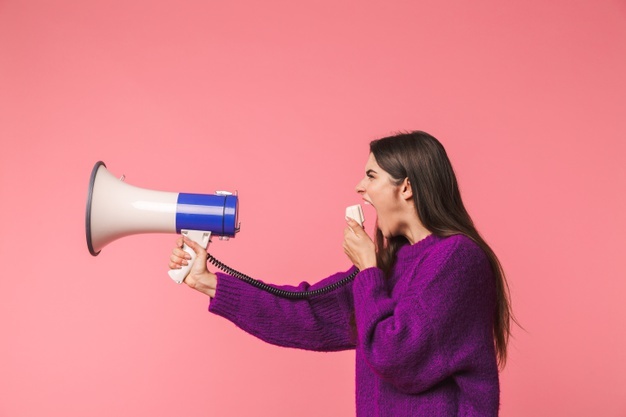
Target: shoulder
[[458, 244], [455, 272], [456, 252], [436, 253]]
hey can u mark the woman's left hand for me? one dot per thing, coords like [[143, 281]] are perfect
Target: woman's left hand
[[358, 246]]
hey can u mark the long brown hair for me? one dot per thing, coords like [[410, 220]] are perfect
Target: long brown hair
[[422, 159]]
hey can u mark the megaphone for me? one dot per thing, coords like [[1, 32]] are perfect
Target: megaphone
[[116, 209]]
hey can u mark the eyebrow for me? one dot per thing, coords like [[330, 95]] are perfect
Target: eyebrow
[[370, 171]]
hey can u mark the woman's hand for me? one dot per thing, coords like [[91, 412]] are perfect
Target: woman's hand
[[358, 246], [199, 278]]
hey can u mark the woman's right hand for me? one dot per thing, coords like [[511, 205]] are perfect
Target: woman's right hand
[[199, 278], [358, 246]]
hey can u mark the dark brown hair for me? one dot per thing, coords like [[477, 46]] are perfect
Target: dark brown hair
[[422, 159]]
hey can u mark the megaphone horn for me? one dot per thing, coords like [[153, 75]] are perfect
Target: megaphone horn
[[116, 209]]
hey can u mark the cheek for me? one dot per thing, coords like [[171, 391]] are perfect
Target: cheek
[[374, 193]]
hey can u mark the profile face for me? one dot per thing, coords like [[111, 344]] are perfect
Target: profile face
[[377, 188]]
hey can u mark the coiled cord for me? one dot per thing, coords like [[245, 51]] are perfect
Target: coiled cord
[[297, 295]]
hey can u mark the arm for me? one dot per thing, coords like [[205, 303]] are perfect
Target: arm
[[321, 323], [440, 326]]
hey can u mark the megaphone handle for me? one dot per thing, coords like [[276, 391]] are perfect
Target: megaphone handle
[[201, 238]]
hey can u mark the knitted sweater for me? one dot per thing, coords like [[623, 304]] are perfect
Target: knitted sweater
[[423, 339]]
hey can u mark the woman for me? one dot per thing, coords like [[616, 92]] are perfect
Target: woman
[[428, 312]]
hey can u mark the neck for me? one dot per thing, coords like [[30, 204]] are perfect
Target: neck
[[414, 230], [417, 234]]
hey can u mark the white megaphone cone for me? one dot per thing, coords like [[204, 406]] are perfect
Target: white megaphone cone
[[116, 209]]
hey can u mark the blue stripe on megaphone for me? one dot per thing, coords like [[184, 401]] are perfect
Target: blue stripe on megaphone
[[207, 212]]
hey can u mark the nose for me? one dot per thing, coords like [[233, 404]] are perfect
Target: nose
[[360, 188]]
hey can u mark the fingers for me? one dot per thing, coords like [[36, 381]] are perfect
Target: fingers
[[180, 253], [358, 246], [178, 257], [198, 249], [198, 254], [356, 228], [351, 222]]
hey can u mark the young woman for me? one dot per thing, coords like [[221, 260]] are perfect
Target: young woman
[[428, 312]]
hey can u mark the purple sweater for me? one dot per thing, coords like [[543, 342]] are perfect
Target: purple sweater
[[423, 339]]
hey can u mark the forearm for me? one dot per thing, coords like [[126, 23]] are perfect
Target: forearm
[[437, 326], [396, 338], [320, 323]]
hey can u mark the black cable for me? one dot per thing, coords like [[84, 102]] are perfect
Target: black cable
[[298, 295]]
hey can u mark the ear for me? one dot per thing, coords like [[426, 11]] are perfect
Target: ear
[[405, 189]]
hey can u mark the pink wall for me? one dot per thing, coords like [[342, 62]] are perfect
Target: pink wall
[[279, 100]]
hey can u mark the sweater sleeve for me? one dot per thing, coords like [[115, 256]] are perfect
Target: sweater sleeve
[[440, 325], [321, 323]]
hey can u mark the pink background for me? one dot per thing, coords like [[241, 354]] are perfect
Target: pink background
[[278, 100]]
